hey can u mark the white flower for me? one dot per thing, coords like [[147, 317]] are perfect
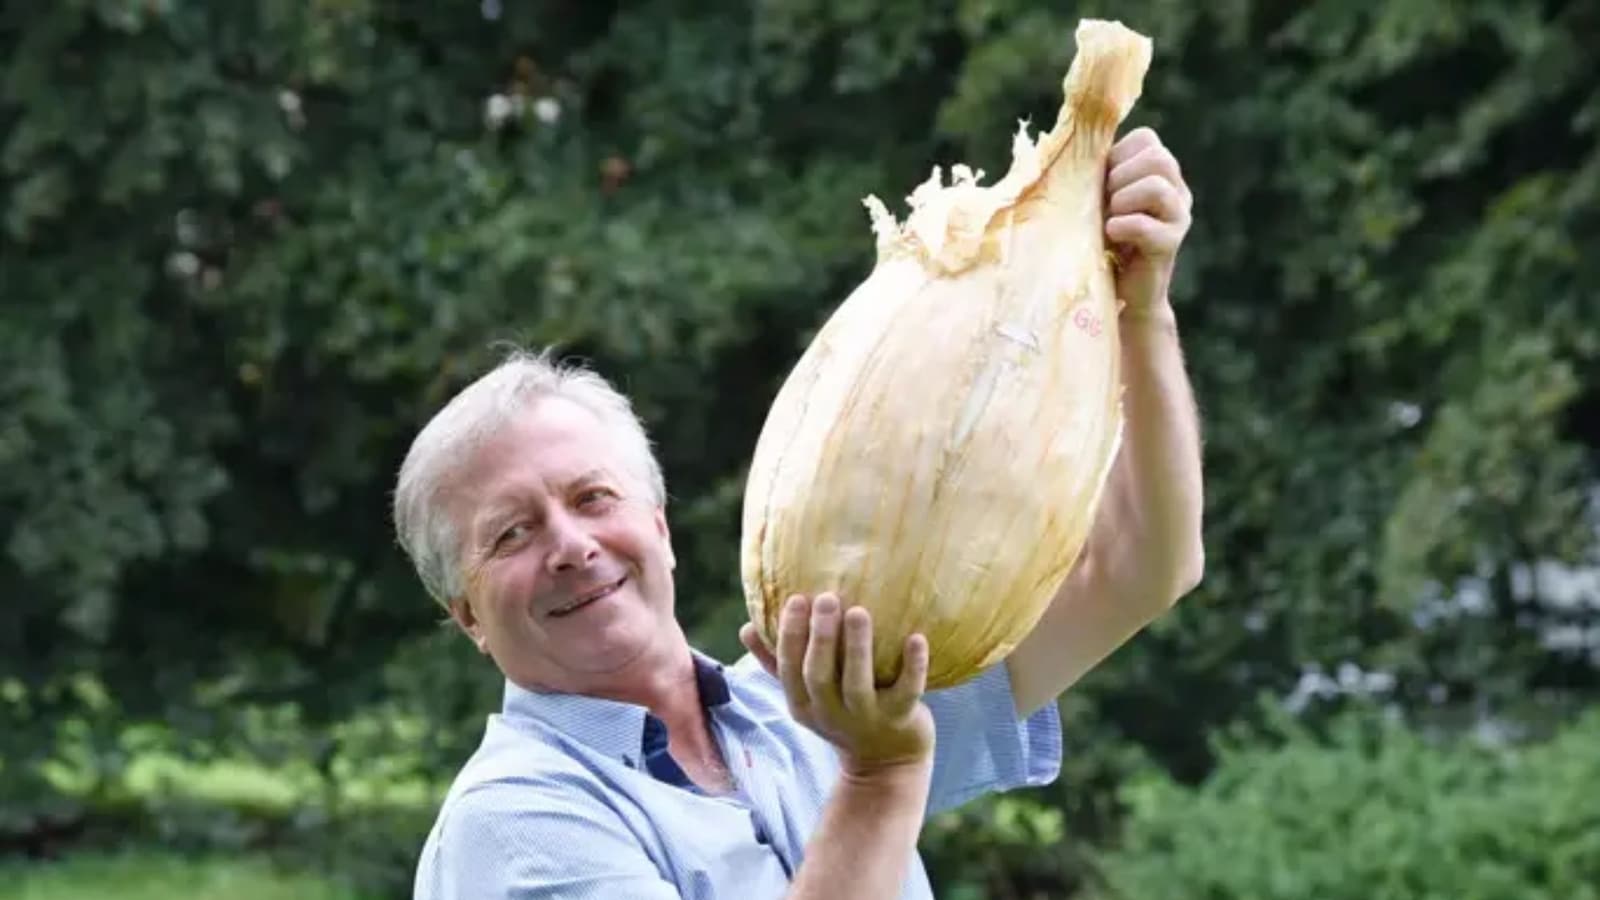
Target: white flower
[[183, 264], [497, 110]]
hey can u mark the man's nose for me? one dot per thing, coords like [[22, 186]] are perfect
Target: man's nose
[[572, 547]]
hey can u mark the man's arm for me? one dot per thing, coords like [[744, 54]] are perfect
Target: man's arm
[[1145, 550], [863, 845]]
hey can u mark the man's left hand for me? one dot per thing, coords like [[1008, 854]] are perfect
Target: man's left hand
[[1147, 216]]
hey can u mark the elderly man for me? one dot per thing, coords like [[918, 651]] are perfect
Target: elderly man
[[626, 764]]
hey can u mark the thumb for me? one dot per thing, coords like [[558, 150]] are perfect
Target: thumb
[[752, 642]]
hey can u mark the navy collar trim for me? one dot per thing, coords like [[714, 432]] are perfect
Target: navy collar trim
[[711, 681], [619, 730]]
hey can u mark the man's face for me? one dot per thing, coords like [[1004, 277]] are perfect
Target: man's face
[[567, 558]]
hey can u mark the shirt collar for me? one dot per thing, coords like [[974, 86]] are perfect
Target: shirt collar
[[609, 727]]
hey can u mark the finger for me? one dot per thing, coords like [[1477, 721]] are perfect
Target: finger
[[1154, 160], [899, 698], [1133, 143], [859, 684], [1153, 195], [1144, 233], [822, 654], [752, 642], [794, 630]]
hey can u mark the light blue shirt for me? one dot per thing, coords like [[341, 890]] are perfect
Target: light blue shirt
[[560, 800]]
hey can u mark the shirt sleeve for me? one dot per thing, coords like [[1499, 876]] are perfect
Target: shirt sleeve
[[980, 745], [522, 841]]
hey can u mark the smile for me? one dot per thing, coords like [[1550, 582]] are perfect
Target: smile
[[586, 599]]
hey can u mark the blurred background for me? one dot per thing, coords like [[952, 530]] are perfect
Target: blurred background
[[247, 248]]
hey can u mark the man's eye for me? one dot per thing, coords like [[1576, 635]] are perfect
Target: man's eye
[[513, 533], [590, 497]]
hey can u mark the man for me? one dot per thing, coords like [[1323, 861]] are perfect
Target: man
[[626, 764]]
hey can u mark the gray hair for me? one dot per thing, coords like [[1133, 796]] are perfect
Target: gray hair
[[422, 523]]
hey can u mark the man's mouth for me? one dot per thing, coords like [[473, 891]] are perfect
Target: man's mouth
[[586, 599]]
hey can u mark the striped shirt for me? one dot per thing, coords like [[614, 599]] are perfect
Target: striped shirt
[[576, 797]]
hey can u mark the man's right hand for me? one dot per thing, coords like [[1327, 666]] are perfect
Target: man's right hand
[[880, 733], [868, 833]]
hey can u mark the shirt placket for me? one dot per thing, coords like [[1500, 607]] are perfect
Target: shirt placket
[[756, 790]]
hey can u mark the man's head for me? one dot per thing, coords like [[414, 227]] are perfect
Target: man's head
[[531, 491]]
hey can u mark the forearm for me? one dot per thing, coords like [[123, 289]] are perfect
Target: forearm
[[1154, 498], [865, 841]]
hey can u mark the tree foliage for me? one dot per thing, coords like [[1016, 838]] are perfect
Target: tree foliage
[[1372, 811]]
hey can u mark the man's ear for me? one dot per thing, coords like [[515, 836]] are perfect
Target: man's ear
[[666, 537], [461, 612]]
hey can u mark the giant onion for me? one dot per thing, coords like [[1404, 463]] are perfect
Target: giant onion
[[938, 452]]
